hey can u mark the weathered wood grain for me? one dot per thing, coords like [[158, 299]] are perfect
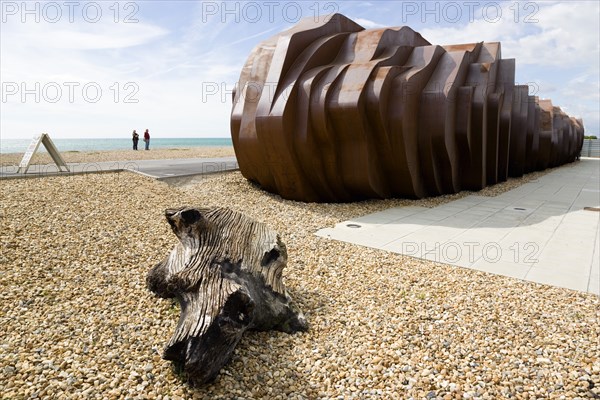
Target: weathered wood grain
[[226, 273]]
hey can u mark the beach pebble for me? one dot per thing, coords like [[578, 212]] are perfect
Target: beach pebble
[[78, 321]]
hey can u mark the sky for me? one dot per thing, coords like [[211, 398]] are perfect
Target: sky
[[101, 69]]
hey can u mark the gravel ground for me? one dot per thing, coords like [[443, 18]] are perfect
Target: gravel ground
[[77, 321]]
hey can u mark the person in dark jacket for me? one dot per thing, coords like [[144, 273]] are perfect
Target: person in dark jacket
[[136, 139]]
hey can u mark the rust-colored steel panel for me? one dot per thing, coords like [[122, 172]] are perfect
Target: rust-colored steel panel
[[518, 135], [546, 128], [330, 112], [506, 83]]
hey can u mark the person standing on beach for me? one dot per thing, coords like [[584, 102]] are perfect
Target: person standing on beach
[[136, 139], [147, 139]]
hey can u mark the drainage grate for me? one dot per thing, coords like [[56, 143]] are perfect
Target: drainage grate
[[519, 209], [353, 225], [597, 209]]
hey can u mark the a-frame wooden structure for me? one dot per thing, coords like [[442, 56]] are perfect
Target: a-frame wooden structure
[[44, 139]]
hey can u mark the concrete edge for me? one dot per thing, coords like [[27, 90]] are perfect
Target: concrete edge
[[31, 175], [57, 173], [164, 178]]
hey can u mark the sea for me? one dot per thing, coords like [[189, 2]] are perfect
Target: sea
[[95, 144]]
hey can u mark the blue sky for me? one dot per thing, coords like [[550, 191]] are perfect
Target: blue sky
[[100, 69]]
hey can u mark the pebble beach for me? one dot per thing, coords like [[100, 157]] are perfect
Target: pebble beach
[[77, 321], [9, 159]]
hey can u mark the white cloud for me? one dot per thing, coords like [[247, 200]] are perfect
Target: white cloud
[[565, 34], [102, 36], [367, 23]]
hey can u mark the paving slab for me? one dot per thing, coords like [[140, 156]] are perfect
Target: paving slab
[[538, 232]]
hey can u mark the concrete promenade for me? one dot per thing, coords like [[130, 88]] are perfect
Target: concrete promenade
[[545, 231], [159, 169]]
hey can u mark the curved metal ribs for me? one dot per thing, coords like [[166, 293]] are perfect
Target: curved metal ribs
[[330, 112]]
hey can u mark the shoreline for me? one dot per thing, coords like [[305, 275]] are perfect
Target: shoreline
[[74, 156], [118, 143]]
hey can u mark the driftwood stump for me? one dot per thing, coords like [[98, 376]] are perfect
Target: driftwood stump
[[226, 274]]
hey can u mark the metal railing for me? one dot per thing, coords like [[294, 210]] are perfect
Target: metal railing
[[591, 148]]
